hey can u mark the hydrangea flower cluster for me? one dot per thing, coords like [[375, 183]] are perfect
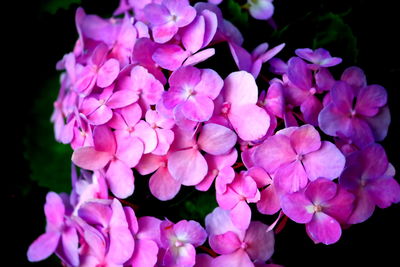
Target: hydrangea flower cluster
[[133, 97]]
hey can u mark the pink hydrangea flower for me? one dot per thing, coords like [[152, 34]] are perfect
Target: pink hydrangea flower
[[322, 206], [166, 18], [369, 176], [296, 155], [179, 241]]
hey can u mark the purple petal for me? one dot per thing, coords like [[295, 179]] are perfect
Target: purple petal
[[193, 34], [341, 206], [384, 192], [332, 120], [156, 14], [260, 242], [364, 207], [199, 57], [379, 124], [55, 211], [370, 99], [90, 159], [163, 186], [187, 166], [120, 179], [100, 116], [108, 73], [182, 10], [237, 259], [147, 135], [43, 246], [242, 57], [299, 74], [326, 162], [190, 232], [311, 109], [225, 243], [324, 229], [164, 32], [216, 139], [262, 9], [321, 190], [210, 84], [250, 122], [355, 77], [170, 56], [70, 245], [297, 207], [211, 23]]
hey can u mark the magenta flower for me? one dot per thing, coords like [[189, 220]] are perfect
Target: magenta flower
[[235, 197], [295, 155], [356, 113], [99, 71], [166, 18], [322, 206], [179, 241], [98, 108], [119, 154], [241, 95], [320, 57], [107, 238], [239, 247], [162, 126], [61, 236], [261, 9], [369, 176], [194, 90]]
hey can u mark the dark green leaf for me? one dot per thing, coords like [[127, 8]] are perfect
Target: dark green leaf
[[52, 6], [238, 14]]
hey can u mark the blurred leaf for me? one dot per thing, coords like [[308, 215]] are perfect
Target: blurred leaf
[[198, 205], [52, 6], [49, 161], [333, 32], [239, 15]]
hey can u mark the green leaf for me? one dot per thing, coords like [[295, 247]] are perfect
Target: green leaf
[[334, 33], [52, 6], [237, 13], [198, 205], [49, 161]]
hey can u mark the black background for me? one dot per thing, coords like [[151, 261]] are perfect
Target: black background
[[35, 40]]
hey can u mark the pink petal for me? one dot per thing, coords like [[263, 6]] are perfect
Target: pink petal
[[170, 56], [198, 108], [241, 215], [70, 245], [240, 88], [269, 201], [211, 23], [129, 150], [163, 186], [242, 57], [216, 139], [104, 139], [384, 192], [43, 246], [210, 84], [341, 206], [149, 163], [131, 114], [260, 242], [145, 253], [108, 73], [120, 179], [156, 14], [355, 77], [147, 135], [249, 121], [54, 210], [236, 259], [311, 109], [90, 159], [122, 98], [165, 138], [321, 190], [326, 162], [364, 207], [274, 152], [332, 120], [190, 232], [100, 116], [225, 177], [187, 166], [305, 139], [297, 207], [324, 229], [193, 34], [225, 243], [199, 57]]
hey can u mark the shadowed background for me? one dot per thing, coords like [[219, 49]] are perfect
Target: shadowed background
[[361, 32]]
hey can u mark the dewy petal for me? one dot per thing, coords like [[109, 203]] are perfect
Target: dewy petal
[[274, 152], [198, 108], [305, 139], [370, 99], [297, 207], [250, 121], [225, 243], [108, 73], [90, 159], [187, 166], [260, 242], [262, 9], [240, 88], [162, 185], [324, 229], [326, 162], [120, 179], [43, 246], [216, 139]]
